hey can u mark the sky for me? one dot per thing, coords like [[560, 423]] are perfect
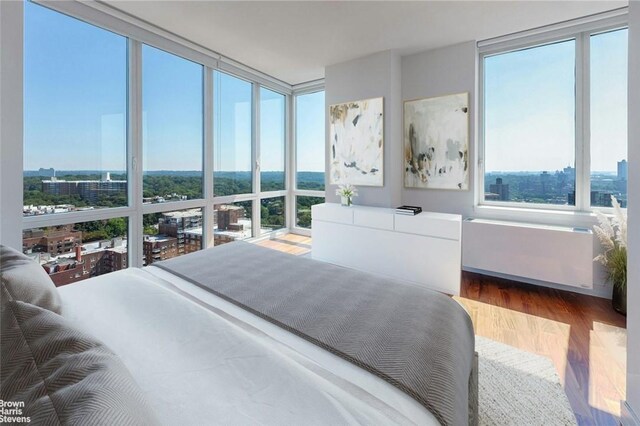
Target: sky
[[530, 106], [76, 94], [76, 101]]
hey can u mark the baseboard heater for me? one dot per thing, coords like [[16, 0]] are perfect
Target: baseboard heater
[[554, 254]]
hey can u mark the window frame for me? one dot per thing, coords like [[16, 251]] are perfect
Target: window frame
[[307, 89], [138, 34], [581, 33]]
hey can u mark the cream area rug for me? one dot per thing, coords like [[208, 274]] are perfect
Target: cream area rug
[[519, 388]]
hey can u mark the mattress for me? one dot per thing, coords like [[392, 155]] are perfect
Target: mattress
[[202, 360]]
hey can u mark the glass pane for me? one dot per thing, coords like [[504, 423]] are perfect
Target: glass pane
[[272, 214], [172, 127], [78, 251], [75, 104], [232, 221], [529, 120], [272, 140], [310, 143], [609, 118], [303, 210], [171, 234], [231, 135]]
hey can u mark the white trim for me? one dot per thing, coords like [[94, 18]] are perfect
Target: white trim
[[306, 232], [226, 199], [76, 217], [309, 193], [546, 216], [135, 153], [11, 122], [255, 157], [173, 206], [207, 210], [308, 87], [582, 124], [236, 68], [287, 161], [628, 417], [560, 30], [269, 235]]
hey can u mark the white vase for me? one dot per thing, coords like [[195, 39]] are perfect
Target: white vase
[[345, 201]]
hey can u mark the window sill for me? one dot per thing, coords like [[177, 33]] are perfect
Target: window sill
[[536, 215]]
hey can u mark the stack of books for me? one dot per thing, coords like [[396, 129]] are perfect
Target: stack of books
[[409, 210]]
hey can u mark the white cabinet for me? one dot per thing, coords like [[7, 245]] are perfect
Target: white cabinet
[[424, 249]]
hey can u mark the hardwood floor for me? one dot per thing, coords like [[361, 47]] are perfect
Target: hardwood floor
[[582, 335]]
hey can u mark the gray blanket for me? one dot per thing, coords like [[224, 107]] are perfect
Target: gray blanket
[[418, 340]]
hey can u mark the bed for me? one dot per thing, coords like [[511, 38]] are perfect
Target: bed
[[246, 348]]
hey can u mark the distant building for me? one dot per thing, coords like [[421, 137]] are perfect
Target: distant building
[[601, 198], [88, 261], [178, 233], [56, 240], [228, 217], [89, 190], [570, 171], [175, 224], [230, 224], [545, 182], [46, 172], [622, 170], [158, 247], [31, 210], [500, 189]]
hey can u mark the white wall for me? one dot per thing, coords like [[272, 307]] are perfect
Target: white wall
[[11, 24], [433, 73], [633, 273], [436, 73], [373, 76]]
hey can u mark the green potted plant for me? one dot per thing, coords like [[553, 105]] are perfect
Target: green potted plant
[[612, 233]]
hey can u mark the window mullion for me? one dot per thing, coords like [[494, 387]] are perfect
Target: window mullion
[[134, 152], [208, 210], [289, 163], [583, 132], [255, 156]]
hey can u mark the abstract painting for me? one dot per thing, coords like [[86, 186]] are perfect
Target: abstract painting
[[356, 136], [436, 142]]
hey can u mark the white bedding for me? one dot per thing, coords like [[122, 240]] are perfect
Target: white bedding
[[202, 360]]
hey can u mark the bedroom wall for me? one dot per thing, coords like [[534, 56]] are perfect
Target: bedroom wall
[[11, 123], [449, 70], [454, 69], [377, 75], [436, 73], [633, 278]]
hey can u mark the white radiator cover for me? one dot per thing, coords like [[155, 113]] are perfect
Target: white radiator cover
[[555, 254]]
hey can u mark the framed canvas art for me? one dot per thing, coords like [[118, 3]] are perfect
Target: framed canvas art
[[436, 142], [356, 133]]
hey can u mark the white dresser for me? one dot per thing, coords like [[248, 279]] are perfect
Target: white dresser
[[424, 249]]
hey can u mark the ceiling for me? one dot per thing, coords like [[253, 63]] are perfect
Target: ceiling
[[294, 41]]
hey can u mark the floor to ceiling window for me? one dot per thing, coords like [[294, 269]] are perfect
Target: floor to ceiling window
[[309, 155], [134, 153], [172, 127], [232, 140]]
